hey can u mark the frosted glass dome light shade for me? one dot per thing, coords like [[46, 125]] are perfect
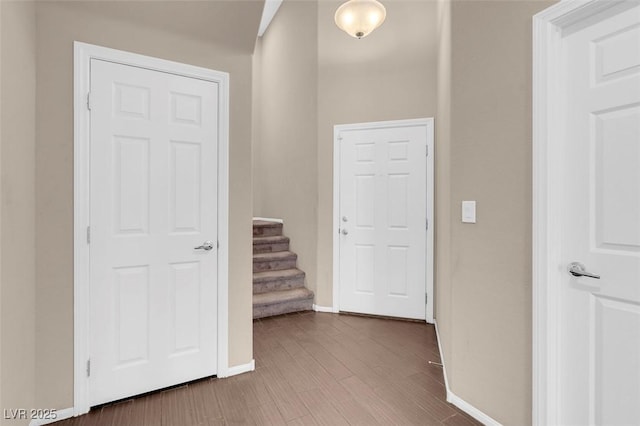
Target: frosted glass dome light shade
[[359, 17]]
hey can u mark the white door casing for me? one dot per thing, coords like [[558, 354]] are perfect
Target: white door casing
[[587, 210], [382, 246], [151, 182]]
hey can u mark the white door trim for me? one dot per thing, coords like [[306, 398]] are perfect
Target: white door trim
[[548, 144], [83, 53], [428, 123]]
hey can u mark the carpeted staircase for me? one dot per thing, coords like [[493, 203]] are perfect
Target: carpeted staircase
[[278, 286]]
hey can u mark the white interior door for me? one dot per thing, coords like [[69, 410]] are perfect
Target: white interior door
[[154, 140], [383, 218], [599, 330]]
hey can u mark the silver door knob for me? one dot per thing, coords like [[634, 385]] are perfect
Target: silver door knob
[[345, 232], [577, 269], [207, 245], [345, 219]]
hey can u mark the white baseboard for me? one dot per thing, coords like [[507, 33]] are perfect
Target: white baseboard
[[243, 368], [471, 410], [269, 219], [455, 399], [444, 368], [65, 413], [322, 308]]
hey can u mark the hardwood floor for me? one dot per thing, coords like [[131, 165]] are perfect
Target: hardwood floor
[[312, 369]]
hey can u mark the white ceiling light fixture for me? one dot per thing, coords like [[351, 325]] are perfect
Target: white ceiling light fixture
[[359, 17]]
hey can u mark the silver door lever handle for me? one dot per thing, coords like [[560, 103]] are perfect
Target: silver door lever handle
[[207, 245], [577, 269]]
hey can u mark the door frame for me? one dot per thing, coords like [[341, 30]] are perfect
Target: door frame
[[83, 53], [429, 163], [548, 145]]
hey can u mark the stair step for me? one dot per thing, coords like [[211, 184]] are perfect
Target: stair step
[[264, 282], [282, 302], [274, 261], [270, 244], [263, 228]]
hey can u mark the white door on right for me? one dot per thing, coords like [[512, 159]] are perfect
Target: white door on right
[[599, 330], [383, 213]]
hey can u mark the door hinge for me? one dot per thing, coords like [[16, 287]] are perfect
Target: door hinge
[[427, 224], [89, 101], [427, 150], [88, 235], [426, 298], [89, 368]]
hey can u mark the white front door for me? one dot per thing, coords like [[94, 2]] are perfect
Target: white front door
[[599, 328], [154, 142], [382, 219]]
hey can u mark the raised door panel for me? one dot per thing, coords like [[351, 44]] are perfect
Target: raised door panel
[[185, 187]]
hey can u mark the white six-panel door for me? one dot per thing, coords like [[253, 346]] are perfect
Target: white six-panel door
[[154, 141], [599, 329], [382, 220]]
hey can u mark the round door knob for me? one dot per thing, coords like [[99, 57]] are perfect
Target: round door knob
[[345, 232]]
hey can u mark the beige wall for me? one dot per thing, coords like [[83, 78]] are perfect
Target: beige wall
[[388, 75], [443, 208], [1, 334], [472, 65], [181, 31], [483, 152], [1, 322], [17, 206], [486, 276], [285, 65]]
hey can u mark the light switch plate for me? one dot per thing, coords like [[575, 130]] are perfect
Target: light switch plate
[[468, 212]]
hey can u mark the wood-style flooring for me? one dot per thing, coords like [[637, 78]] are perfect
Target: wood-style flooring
[[311, 369]]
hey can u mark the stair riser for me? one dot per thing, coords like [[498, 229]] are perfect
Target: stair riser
[[267, 231], [274, 265], [278, 284], [283, 308], [270, 248]]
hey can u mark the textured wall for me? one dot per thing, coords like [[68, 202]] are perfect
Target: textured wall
[[443, 303], [1, 334], [285, 98], [17, 207], [486, 275]]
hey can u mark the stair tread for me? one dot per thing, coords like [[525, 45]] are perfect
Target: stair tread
[[283, 273], [266, 224], [277, 255], [282, 296], [271, 239]]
